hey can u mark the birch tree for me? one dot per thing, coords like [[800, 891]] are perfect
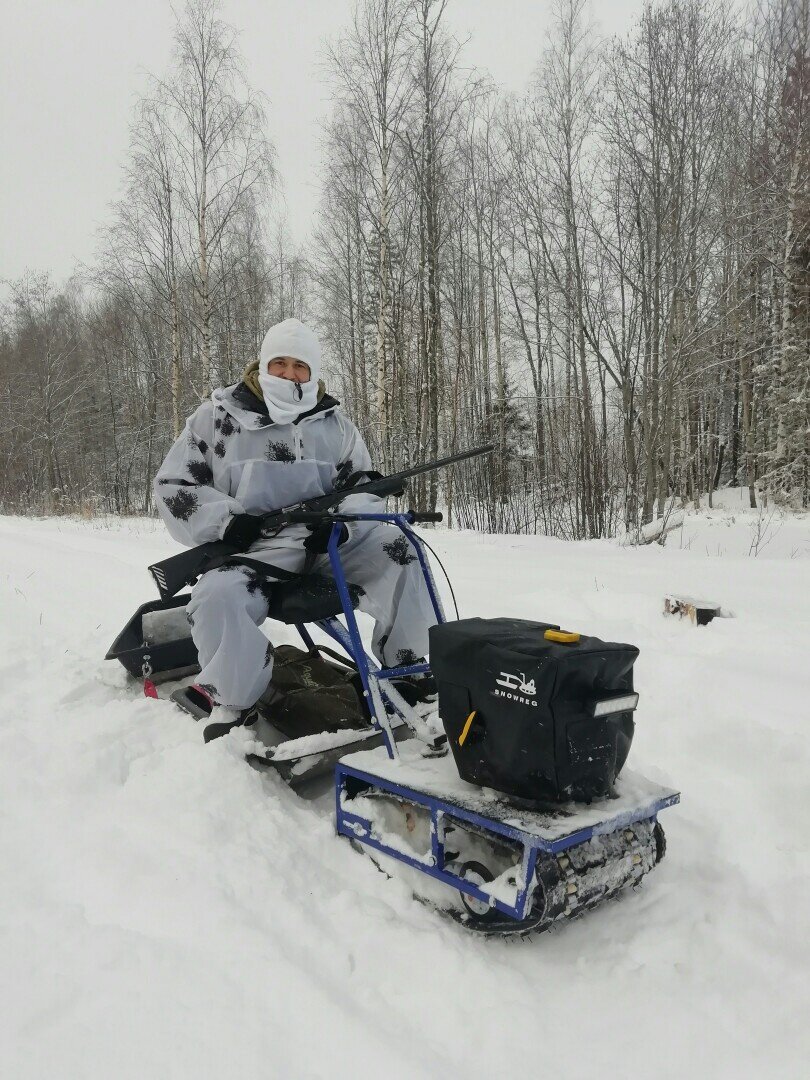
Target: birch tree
[[223, 155], [370, 68]]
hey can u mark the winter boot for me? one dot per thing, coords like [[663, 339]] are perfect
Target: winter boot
[[196, 701], [226, 720], [416, 689]]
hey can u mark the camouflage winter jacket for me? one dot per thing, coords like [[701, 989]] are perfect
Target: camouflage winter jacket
[[231, 458]]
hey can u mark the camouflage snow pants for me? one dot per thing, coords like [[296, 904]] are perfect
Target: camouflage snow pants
[[229, 605]]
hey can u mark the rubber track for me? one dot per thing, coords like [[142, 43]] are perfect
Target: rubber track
[[623, 857], [627, 854]]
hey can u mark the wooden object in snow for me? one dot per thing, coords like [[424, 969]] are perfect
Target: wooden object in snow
[[700, 612]]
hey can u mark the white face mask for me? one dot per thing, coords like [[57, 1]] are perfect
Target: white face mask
[[287, 400]]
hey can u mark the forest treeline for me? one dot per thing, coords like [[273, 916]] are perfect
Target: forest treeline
[[607, 276]]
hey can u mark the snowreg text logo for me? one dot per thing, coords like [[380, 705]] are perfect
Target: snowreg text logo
[[516, 688]]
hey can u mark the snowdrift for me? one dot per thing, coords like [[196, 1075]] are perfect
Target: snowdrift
[[168, 912]]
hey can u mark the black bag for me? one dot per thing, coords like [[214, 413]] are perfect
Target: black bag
[[309, 694], [518, 708]]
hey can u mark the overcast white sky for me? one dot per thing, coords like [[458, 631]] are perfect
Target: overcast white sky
[[70, 71]]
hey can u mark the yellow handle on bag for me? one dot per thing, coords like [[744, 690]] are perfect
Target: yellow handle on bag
[[562, 637], [466, 729]]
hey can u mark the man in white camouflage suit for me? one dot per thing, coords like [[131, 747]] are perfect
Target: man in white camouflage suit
[[269, 441]]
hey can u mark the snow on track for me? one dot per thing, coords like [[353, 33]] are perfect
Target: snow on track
[[167, 912]]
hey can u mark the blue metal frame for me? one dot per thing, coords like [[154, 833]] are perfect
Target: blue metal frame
[[380, 699], [357, 827]]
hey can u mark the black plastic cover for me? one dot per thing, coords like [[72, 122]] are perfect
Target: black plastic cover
[[130, 650], [533, 735]]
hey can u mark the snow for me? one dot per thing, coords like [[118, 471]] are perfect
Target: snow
[[731, 527], [168, 912]]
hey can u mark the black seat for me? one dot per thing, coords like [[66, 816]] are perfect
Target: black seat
[[312, 598]]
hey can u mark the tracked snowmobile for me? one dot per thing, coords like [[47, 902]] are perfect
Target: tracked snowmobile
[[528, 820]]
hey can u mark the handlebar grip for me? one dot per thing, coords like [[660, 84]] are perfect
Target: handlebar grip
[[417, 517]]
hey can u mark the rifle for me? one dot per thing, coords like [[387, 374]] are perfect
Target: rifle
[[172, 574]]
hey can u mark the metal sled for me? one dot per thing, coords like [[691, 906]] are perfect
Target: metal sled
[[511, 869]]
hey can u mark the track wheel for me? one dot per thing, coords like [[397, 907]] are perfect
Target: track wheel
[[480, 910]]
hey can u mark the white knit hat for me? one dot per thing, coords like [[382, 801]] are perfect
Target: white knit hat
[[292, 338]]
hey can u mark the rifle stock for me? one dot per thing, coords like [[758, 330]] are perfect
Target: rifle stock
[[170, 575]]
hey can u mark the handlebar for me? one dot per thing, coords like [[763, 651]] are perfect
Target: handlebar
[[416, 517]]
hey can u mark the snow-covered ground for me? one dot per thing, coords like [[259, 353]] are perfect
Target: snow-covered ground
[[166, 912]]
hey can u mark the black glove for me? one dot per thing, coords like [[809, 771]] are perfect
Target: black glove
[[318, 540], [345, 480], [243, 530], [363, 478]]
